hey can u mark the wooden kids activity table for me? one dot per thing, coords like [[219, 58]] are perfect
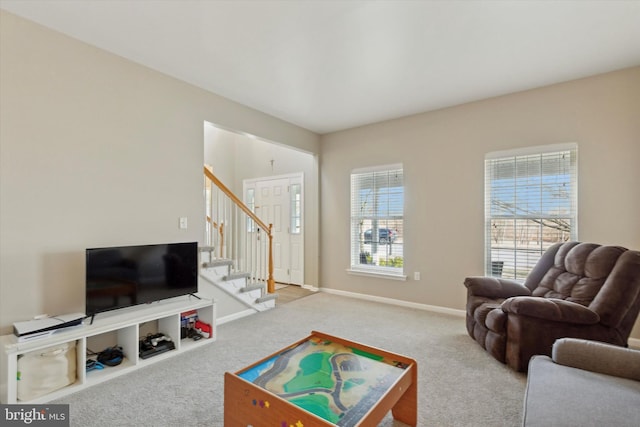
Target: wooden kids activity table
[[322, 380]]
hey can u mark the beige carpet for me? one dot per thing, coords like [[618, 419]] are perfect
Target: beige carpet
[[459, 384]]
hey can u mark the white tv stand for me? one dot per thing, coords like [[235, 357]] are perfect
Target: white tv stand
[[123, 327]]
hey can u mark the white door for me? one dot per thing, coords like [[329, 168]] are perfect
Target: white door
[[278, 201]]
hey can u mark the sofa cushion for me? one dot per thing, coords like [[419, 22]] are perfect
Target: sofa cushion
[[578, 272], [551, 309], [558, 395], [480, 315], [598, 357]]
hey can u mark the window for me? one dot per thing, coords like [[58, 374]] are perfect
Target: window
[[530, 204], [377, 226], [296, 208]]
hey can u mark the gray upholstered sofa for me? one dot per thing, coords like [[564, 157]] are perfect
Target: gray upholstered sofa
[[585, 383]]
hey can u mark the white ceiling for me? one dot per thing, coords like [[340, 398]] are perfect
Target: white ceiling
[[332, 65]]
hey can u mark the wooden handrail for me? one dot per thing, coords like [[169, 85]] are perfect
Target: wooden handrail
[[271, 284], [235, 199]]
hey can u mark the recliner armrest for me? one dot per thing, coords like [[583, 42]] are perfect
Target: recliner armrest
[[493, 287], [556, 310], [598, 357]]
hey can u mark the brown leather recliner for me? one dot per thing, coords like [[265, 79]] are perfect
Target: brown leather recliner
[[579, 290]]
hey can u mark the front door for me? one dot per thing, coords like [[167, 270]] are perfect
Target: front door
[[278, 201]]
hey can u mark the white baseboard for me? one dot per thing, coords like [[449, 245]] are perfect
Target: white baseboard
[[235, 316], [633, 342], [392, 301]]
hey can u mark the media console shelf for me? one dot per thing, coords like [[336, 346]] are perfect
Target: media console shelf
[[123, 327]]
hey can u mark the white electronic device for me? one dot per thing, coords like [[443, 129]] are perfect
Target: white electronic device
[[42, 327]]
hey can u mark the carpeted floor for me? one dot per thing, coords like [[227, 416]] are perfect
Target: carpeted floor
[[459, 384]]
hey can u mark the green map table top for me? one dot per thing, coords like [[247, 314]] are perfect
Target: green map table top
[[337, 382]]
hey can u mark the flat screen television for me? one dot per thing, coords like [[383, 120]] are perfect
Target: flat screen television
[[118, 277]]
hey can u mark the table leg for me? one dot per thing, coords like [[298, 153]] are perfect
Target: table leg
[[406, 409]]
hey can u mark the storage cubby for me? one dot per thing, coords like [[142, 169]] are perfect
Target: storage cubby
[[122, 328], [125, 337]]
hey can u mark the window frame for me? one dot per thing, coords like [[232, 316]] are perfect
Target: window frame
[[528, 154], [357, 217]]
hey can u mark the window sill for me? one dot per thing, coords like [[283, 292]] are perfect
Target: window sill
[[377, 273]]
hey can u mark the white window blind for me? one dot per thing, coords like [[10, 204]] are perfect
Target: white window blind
[[530, 204], [377, 226]]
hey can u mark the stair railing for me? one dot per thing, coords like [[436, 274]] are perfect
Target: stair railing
[[237, 232]]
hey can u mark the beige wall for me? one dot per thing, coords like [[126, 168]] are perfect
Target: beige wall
[[443, 154], [95, 151]]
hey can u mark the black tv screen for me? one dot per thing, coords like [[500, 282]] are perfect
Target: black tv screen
[[124, 276]]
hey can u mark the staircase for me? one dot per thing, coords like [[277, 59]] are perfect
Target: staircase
[[238, 256], [219, 272]]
